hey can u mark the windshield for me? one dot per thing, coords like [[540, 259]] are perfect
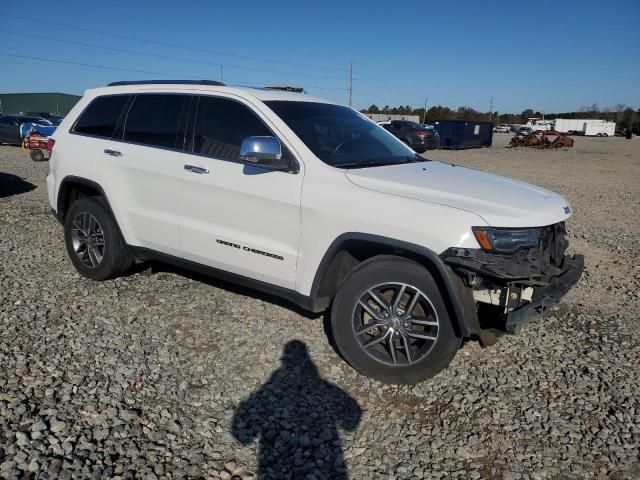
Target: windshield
[[341, 137]]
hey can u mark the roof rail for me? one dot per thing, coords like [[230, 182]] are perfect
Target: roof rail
[[166, 82]]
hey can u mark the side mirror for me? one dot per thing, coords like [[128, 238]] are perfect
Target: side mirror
[[263, 151]]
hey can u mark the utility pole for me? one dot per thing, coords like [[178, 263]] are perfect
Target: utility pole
[[424, 116], [221, 73], [350, 81], [491, 110]]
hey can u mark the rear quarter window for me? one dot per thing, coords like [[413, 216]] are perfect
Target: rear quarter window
[[100, 118]]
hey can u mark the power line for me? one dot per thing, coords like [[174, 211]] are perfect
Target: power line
[[413, 94], [172, 45], [392, 86], [167, 57], [122, 69], [102, 67]]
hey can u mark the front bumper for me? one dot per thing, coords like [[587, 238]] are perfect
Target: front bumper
[[548, 296], [519, 285]]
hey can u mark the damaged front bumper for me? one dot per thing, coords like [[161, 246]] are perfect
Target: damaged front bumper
[[521, 285], [546, 297]]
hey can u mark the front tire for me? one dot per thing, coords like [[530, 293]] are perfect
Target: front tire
[[390, 322], [93, 240]]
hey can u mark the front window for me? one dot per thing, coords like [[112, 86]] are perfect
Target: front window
[[341, 137]]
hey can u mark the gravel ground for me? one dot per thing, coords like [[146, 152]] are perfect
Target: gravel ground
[[168, 374]]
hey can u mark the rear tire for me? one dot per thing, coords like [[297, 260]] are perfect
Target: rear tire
[[93, 240], [419, 339]]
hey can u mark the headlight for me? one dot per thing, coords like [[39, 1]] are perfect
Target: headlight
[[506, 239]]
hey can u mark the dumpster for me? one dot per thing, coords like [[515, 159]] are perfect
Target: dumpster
[[458, 134]]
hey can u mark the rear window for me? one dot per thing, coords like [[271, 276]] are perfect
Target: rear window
[[101, 116], [154, 120]]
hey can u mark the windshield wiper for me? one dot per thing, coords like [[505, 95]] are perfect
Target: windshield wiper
[[381, 163], [358, 164], [415, 159]]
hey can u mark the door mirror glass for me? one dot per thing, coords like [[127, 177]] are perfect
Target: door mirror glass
[[263, 151]]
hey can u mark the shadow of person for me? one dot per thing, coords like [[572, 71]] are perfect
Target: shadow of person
[[296, 415], [13, 185]]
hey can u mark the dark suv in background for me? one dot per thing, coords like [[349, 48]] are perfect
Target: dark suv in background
[[417, 136]]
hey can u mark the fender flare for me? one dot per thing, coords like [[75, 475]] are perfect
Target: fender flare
[[60, 206], [453, 296]]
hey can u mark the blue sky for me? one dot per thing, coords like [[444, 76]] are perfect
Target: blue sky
[[546, 55]]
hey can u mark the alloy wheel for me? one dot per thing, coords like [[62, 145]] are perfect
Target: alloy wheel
[[88, 239], [395, 323]]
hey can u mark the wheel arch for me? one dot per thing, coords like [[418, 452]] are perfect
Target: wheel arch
[[349, 250], [71, 188]]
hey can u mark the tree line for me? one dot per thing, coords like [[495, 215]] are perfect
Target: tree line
[[624, 116]]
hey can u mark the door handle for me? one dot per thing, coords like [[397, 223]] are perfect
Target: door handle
[[113, 153], [196, 169]]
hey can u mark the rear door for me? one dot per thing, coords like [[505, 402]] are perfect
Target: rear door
[[141, 166], [235, 217]]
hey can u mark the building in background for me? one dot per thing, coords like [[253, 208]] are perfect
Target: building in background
[[55, 103], [385, 117]]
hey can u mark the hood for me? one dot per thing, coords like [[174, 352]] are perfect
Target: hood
[[500, 201]]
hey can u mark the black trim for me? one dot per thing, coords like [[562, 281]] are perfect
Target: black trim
[[167, 82], [292, 296], [547, 297], [81, 181], [446, 275]]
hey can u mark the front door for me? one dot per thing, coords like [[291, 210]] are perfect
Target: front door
[[238, 218]]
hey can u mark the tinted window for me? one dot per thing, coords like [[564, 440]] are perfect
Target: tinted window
[[340, 136], [101, 116], [153, 120], [221, 125]]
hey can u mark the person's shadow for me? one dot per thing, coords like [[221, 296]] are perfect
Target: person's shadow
[[296, 415]]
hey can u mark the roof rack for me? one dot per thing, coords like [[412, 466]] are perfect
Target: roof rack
[[166, 82], [286, 88]]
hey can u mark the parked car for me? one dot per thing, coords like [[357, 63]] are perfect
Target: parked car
[[10, 127], [53, 118], [524, 131], [502, 128], [416, 136], [310, 201]]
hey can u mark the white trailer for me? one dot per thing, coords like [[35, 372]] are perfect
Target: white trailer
[[602, 129], [539, 124], [577, 125]]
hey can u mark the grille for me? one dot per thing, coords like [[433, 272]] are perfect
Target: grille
[[553, 242]]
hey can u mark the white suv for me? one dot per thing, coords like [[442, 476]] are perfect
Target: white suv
[[311, 201]]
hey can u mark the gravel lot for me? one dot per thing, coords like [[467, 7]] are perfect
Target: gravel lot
[[167, 374]]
